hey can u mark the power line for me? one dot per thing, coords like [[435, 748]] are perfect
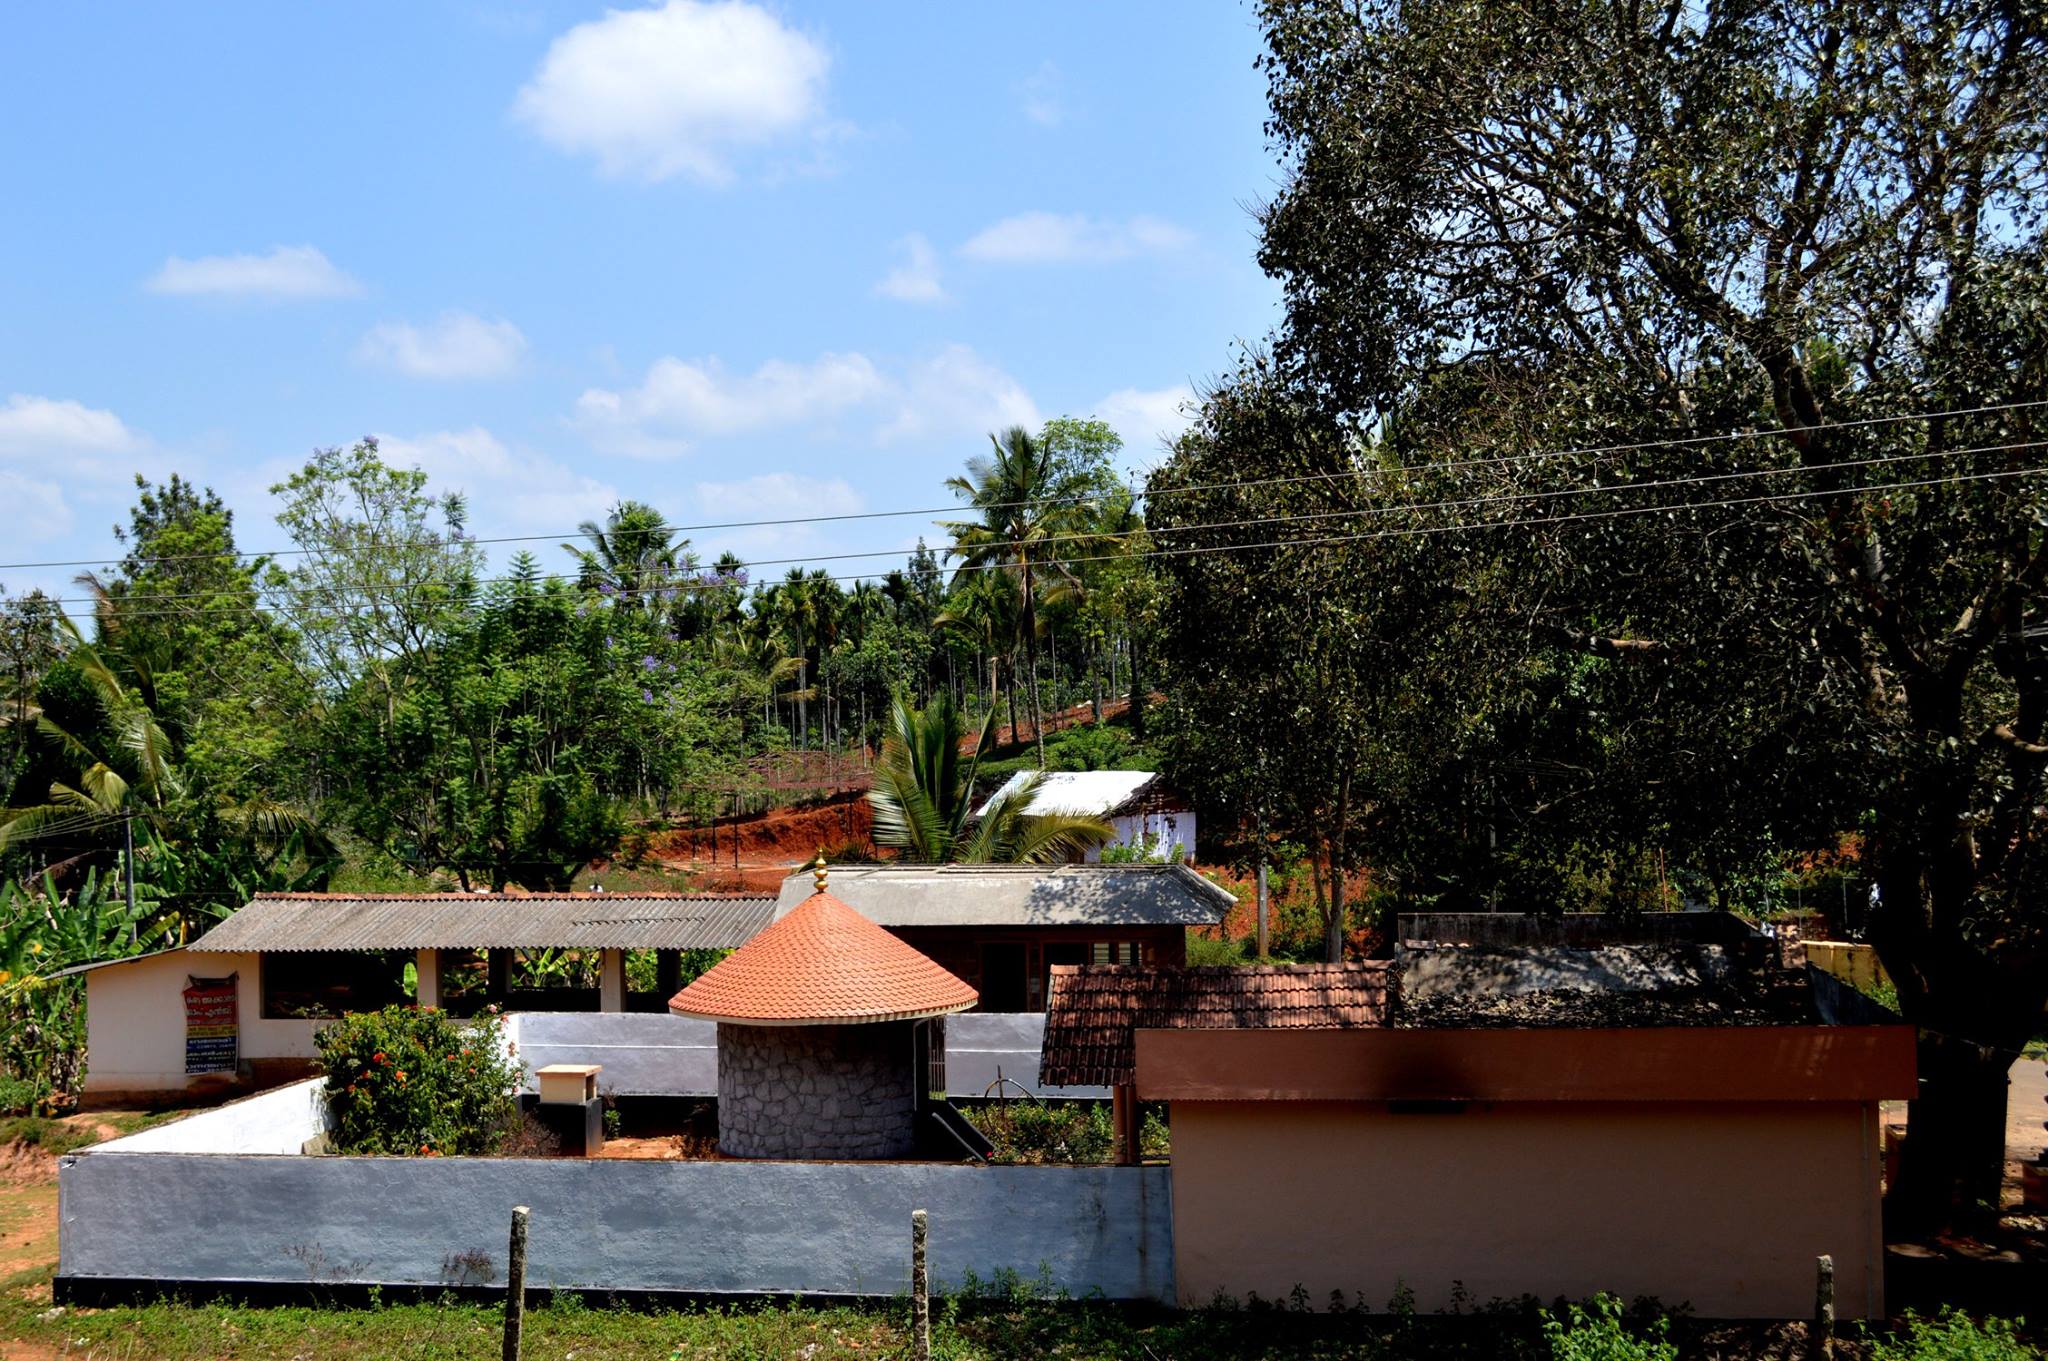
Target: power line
[[1699, 479], [1676, 442], [1416, 530]]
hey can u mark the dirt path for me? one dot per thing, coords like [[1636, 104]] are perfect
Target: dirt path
[[2026, 1111]]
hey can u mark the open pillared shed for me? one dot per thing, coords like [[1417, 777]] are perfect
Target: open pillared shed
[[823, 964]]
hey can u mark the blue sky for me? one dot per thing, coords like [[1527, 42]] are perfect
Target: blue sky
[[739, 261]]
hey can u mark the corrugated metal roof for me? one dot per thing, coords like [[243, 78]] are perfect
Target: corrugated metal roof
[[1020, 895], [76, 969], [1095, 1010], [1078, 793], [491, 921]]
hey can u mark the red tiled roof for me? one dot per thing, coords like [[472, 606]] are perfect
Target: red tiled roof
[[1095, 1010], [823, 964]]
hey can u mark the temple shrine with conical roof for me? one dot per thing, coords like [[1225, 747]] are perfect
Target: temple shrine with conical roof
[[826, 1023]]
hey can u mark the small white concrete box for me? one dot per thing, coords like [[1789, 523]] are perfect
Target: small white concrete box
[[568, 1084]]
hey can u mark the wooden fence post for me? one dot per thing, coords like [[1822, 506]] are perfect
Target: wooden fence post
[[920, 1286], [515, 1284], [1820, 1336]]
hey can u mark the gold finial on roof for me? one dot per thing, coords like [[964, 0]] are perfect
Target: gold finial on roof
[[818, 872]]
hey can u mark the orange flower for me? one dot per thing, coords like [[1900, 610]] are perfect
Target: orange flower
[[401, 1075], [377, 1057]]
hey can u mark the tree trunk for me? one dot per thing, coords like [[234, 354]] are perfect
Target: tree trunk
[[1333, 923], [1975, 1013], [1037, 713], [1011, 694], [1952, 1168], [1030, 621], [1137, 693], [1095, 684]]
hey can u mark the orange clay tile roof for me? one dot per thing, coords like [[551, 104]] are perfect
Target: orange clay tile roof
[[1095, 1010], [823, 964]]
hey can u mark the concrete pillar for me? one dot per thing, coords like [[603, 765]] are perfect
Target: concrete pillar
[[427, 966], [611, 994]]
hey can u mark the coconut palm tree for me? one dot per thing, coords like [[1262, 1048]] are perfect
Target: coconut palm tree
[[1024, 507], [632, 556], [128, 775], [923, 799]]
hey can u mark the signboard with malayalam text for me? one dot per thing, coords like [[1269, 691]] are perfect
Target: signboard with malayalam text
[[212, 1042]]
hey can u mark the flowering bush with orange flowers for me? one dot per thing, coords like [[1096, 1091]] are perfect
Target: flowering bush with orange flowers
[[419, 1083]]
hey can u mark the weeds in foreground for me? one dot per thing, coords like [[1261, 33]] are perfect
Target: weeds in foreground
[[1955, 1336], [1005, 1318]]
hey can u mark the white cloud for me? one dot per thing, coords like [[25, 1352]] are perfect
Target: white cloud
[[772, 496], [1042, 238], [1148, 420], [678, 90], [917, 278], [458, 345], [36, 509], [1040, 93], [287, 272], [683, 401], [956, 390], [507, 489], [43, 425]]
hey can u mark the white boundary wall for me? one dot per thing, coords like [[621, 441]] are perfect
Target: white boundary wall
[[652, 1054], [281, 1120], [711, 1227]]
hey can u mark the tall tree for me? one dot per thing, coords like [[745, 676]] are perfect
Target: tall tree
[[633, 557], [1511, 226], [1025, 506]]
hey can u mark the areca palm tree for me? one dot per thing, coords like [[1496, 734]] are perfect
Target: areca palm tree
[[923, 799], [1024, 508]]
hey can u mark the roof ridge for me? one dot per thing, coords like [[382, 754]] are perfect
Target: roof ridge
[[457, 896]]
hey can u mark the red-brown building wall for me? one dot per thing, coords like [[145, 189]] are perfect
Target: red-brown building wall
[[1722, 1206]]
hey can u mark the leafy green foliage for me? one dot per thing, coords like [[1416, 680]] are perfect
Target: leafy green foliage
[[1062, 1132], [411, 1082], [1597, 1332], [1630, 574], [1954, 1336], [923, 800], [42, 1018]]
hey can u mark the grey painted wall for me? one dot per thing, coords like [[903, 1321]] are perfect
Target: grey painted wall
[[718, 1227], [646, 1054], [980, 1044], [643, 1053]]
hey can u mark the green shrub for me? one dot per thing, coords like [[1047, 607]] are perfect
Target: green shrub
[[419, 1082], [1598, 1333], [1208, 950], [1955, 1336], [1026, 1132]]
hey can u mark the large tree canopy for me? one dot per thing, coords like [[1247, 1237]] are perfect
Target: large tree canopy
[[1626, 321]]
